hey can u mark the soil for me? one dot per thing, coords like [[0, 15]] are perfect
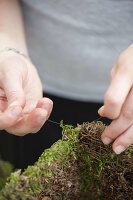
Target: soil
[[116, 178], [89, 170], [114, 181]]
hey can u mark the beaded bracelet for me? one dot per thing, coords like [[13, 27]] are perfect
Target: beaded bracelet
[[14, 50]]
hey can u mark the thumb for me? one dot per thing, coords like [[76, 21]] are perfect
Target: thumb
[[14, 91]]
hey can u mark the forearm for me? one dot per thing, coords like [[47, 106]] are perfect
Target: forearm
[[11, 26]]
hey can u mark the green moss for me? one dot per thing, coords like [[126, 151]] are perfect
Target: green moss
[[31, 182], [77, 167], [5, 170]]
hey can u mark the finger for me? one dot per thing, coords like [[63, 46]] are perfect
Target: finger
[[15, 99], [32, 98], [10, 116], [46, 104], [113, 71], [13, 88], [118, 126], [116, 95], [30, 105], [3, 104], [114, 130], [30, 123], [36, 121], [3, 100], [123, 141]]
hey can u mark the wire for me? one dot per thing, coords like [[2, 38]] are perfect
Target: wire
[[54, 122]]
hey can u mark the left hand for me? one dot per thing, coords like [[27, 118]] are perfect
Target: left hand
[[23, 109], [118, 104]]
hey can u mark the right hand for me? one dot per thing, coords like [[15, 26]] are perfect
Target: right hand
[[118, 103], [23, 109]]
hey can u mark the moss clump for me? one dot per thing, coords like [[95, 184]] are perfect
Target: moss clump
[[51, 176], [104, 175], [5, 170], [78, 167]]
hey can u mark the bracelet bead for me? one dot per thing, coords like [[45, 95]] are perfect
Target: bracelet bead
[[14, 50]]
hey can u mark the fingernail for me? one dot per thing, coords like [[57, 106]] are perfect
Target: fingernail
[[47, 106], [47, 103], [119, 149], [107, 140], [101, 111], [47, 100]]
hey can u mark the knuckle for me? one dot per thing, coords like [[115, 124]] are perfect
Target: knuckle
[[121, 59], [124, 64], [111, 131], [14, 96], [125, 67], [111, 100], [13, 93]]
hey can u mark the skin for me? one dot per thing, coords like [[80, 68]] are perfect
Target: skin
[[23, 109], [118, 103]]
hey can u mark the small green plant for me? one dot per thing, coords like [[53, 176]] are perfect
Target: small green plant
[[77, 167]]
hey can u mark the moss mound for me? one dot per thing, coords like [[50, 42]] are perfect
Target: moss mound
[[78, 167], [5, 170]]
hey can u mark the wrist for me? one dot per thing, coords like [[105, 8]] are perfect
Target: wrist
[[13, 50], [8, 54], [7, 41]]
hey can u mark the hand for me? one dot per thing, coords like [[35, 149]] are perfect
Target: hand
[[23, 110], [118, 103]]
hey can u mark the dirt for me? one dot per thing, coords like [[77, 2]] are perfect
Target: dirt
[[114, 181]]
